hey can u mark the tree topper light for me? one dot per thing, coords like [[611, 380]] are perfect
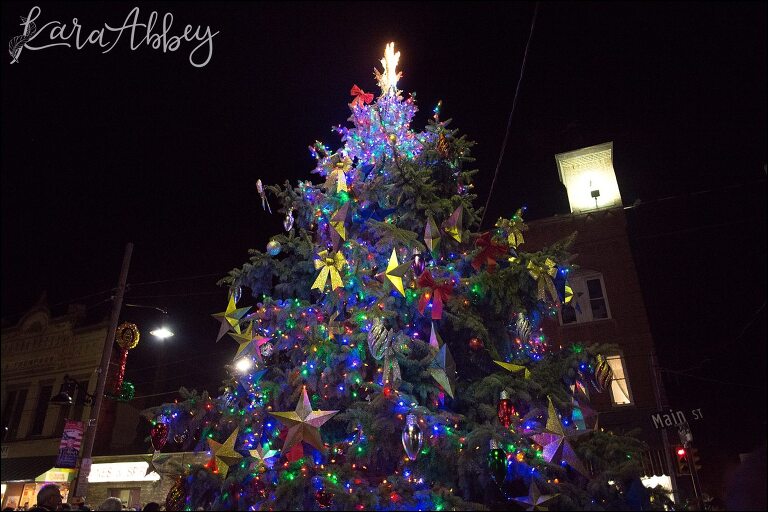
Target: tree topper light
[[388, 78]]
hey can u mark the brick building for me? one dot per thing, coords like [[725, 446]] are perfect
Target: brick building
[[607, 305]]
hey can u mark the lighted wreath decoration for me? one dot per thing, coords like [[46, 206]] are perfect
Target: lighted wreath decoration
[[127, 335]]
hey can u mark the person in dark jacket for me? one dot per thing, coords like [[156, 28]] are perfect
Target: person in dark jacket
[[48, 498]]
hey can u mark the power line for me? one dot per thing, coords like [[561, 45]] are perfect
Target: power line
[[187, 278], [512, 112]]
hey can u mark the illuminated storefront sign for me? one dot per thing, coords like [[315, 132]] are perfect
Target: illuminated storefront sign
[[121, 472]]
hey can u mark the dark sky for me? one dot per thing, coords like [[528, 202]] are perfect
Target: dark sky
[[102, 149]]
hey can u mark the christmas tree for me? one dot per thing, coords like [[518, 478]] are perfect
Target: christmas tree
[[394, 357]]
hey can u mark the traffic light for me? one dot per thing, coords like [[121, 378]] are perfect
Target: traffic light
[[695, 457], [682, 462]]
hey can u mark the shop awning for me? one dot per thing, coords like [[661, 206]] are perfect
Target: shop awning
[[25, 469]]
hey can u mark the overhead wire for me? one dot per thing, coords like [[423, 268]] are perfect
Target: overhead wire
[[512, 112]]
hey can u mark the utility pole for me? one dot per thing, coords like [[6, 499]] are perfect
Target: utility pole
[[81, 490], [661, 404]]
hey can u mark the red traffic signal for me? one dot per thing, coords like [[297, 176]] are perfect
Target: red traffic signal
[[682, 461]]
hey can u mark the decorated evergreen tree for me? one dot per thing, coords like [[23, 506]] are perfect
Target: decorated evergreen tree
[[394, 356]]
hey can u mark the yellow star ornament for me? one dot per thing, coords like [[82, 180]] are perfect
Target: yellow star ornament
[[303, 424], [396, 271], [230, 318], [243, 339], [511, 367], [225, 454], [338, 219]]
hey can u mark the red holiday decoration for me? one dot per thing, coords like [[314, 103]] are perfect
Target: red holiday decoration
[[360, 96], [211, 465], [296, 452], [505, 410], [117, 383], [438, 293], [489, 253], [476, 344], [159, 435]]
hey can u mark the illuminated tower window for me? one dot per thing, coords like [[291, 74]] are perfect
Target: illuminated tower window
[[589, 178]]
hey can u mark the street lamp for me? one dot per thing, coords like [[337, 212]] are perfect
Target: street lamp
[[161, 332], [84, 469]]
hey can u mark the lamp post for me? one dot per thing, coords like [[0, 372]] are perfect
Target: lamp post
[[81, 490]]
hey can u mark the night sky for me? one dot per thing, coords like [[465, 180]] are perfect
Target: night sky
[[102, 149]]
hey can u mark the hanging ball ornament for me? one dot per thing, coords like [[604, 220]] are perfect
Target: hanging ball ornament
[[412, 437], [505, 410], [288, 221], [127, 392], [392, 138], [267, 349], [497, 462], [418, 263], [476, 344], [159, 435], [273, 248]]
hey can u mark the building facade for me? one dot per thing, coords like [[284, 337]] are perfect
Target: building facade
[[37, 354], [607, 306], [40, 353]]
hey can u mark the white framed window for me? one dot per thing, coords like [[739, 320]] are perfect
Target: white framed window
[[620, 391], [589, 302]]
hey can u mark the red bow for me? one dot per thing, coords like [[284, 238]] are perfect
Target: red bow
[[438, 294], [489, 253], [360, 96]]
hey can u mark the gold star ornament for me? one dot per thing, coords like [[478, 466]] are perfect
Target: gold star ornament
[[225, 454], [556, 444], [303, 423], [243, 339], [511, 367], [535, 500], [230, 318], [396, 271]]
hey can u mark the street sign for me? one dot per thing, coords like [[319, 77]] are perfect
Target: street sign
[[671, 418]]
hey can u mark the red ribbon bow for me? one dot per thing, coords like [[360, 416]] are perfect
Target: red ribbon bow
[[489, 253], [360, 96], [438, 294]]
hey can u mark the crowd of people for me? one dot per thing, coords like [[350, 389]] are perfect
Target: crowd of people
[[49, 498]]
